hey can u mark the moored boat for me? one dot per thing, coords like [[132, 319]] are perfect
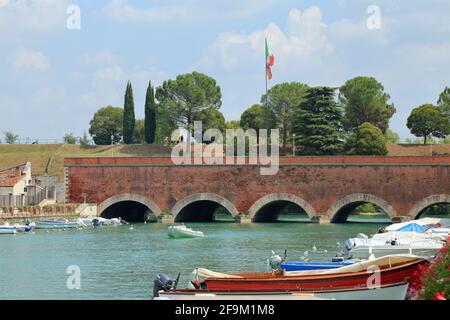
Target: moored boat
[[7, 230], [57, 224], [389, 270], [184, 232], [301, 265], [396, 291]]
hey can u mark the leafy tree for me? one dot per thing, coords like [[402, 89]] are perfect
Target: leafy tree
[[139, 132], [428, 120], [69, 138], [129, 120], [367, 140], [150, 115], [233, 124], [212, 119], [444, 101], [318, 123], [84, 140], [253, 118], [391, 136], [364, 100], [186, 97], [165, 125], [281, 102], [107, 122], [10, 137]]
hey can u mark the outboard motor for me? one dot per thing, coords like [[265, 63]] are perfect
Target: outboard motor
[[275, 262], [165, 283]]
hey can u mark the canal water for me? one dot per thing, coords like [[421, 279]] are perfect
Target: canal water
[[121, 262]]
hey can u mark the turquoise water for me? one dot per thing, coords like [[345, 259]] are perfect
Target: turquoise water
[[119, 263]]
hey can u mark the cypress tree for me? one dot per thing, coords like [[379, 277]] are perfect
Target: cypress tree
[[318, 123], [129, 120], [150, 115]]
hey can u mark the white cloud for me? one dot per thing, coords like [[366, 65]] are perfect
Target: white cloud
[[104, 57], [29, 59], [32, 15], [304, 36]]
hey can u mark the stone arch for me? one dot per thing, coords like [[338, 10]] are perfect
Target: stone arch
[[421, 205], [358, 198], [129, 197], [274, 197], [212, 197]]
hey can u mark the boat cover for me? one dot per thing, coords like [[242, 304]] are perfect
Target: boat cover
[[423, 221], [359, 266], [412, 227], [205, 273]]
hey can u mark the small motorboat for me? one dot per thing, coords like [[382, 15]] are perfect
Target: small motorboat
[[57, 224], [7, 229], [301, 265], [182, 231], [24, 228], [99, 222]]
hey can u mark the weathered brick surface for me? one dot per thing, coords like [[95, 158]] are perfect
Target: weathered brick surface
[[320, 181]]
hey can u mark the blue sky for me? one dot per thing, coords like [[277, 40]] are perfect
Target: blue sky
[[53, 79]]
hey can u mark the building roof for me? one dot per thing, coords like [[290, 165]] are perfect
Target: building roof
[[10, 176]]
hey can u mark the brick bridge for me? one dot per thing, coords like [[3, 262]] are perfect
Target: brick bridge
[[326, 188]]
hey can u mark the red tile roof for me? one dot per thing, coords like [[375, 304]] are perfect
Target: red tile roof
[[9, 177]]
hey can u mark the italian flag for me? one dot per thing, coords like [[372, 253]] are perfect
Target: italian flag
[[270, 59], [197, 280]]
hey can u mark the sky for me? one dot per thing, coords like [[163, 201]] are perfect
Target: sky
[[56, 70]]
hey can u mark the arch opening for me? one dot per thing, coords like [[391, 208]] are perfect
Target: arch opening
[[361, 212], [436, 210], [204, 211], [130, 211], [281, 211]]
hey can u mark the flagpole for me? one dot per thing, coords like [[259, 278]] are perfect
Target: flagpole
[[266, 120]]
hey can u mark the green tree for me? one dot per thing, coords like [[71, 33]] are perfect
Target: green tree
[[139, 132], [212, 119], [129, 120], [233, 124], [367, 140], [69, 138], [107, 122], [281, 102], [150, 115], [84, 140], [165, 125], [428, 120], [186, 97], [391, 136], [318, 123], [444, 102], [364, 100], [10, 137], [253, 118]]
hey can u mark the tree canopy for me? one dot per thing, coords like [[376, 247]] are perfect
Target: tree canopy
[[318, 123], [282, 102], [129, 120], [364, 100], [107, 122], [367, 140], [187, 96], [150, 115], [428, 120], [444, 101], [253, 118], [391, 136]]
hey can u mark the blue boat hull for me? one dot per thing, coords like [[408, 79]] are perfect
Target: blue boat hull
[[303, 266]]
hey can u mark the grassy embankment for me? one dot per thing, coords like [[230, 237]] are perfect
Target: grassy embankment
[[50, 158]]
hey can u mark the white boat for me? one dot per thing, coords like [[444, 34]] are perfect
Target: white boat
[[427, 228], [6, 229], [184, 232], [363, 248], [99, 221], [57, 224], [24, 228], [388, 292]]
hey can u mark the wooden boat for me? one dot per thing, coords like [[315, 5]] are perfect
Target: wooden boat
[[390, 269], [395, 291], [184, 232]]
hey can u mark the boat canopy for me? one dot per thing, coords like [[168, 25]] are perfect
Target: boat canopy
[[412, 227]]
